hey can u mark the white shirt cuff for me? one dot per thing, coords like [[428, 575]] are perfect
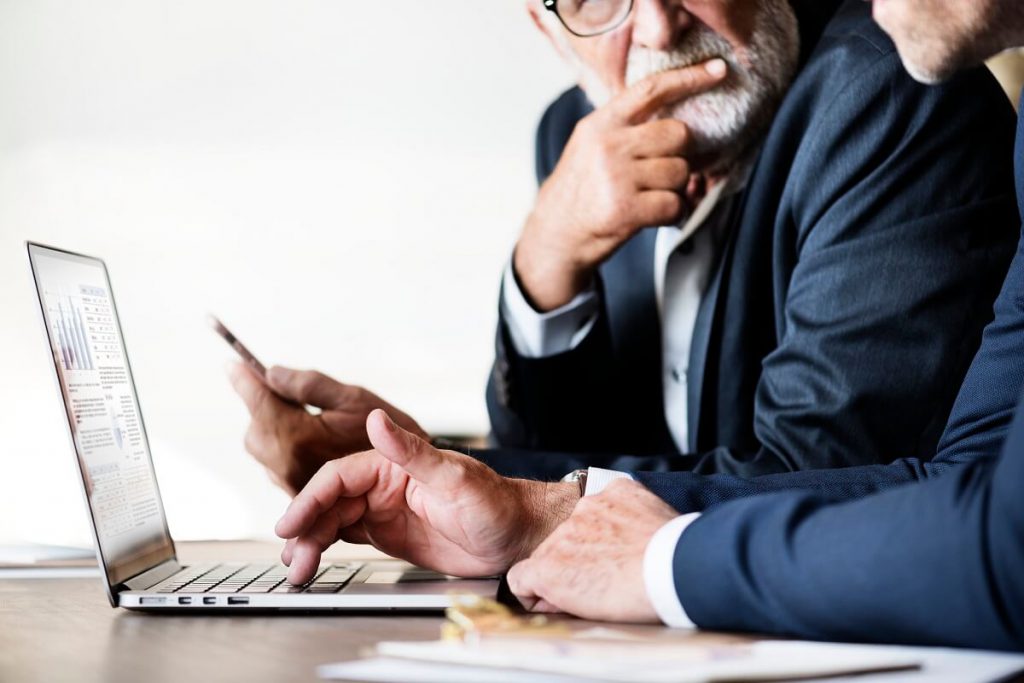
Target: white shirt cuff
[[538, 335], [659, 579], [598, 479]]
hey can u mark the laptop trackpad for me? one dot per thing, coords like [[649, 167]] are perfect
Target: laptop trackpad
[[406, 576], [400, 578]]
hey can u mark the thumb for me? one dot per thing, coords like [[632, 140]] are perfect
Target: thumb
[[306, 386], [422, 461], [642, 99]]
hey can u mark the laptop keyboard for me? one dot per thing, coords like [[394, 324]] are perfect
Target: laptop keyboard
[[255, 578]]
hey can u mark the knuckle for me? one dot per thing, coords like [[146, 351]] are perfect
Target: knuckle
[[647, 88], [606, 147], [305, 381], [681, 168], [291, 451], [516, 577], [253, 442], [618, 219], [671, 205], [681, 133], [673, 132], [673, 128], [588, 126], [458, 468]]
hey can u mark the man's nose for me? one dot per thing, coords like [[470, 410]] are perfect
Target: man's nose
[[659, 24]]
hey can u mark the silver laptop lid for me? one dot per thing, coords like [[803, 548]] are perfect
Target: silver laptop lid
[[103, 413]]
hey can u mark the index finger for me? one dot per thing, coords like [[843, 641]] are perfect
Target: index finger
[[343, 478], [523, 581], [641, 100], [251, 388]]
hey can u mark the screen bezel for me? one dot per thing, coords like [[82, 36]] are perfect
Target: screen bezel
[[115, 575]]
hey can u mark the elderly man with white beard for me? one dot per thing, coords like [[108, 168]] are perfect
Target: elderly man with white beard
[[762, 328], [739, 212]]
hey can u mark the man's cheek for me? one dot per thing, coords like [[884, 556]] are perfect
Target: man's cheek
[[733, 20]]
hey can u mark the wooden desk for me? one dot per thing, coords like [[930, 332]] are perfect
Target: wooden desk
[[64, 630]]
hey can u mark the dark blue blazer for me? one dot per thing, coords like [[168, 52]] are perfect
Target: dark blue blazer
[[861, 267], [937, 562]]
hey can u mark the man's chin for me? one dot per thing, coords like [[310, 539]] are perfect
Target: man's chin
[[922, 74], [927, 56], [924, 66]]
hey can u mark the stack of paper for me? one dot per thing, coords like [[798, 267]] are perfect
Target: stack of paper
[[605, 655]]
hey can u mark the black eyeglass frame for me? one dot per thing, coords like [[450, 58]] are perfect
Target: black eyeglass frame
[[552, 6]]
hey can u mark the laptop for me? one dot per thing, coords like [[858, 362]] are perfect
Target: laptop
[[134, 547]]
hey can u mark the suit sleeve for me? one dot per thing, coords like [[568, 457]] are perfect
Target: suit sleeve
[[562, 400], [984, 408], [898, 251], [936, 563], [980, 421], [688, 491]]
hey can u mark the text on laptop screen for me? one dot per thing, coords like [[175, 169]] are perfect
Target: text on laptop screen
[[103, 411]]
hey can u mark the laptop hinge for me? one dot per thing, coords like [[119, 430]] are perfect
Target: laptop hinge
[[152, 577]]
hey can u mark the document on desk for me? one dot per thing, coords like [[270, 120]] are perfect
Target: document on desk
[[33, 561], [628, 659]]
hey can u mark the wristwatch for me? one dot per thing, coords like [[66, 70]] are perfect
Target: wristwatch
[[580, 477]]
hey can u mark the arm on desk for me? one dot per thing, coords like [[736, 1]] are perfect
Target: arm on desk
[[936, 563]]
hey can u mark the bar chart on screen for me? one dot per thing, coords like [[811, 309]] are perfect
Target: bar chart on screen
[[83, 328]]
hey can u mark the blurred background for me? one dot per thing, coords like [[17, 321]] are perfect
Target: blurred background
[[340, 182]]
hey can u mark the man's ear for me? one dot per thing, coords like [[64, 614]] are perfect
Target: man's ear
[[544, 24]]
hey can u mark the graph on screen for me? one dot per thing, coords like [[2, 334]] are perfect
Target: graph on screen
[[102, 409], [83, 328]]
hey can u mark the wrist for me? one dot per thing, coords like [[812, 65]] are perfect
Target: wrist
[[545, 505], [546, 279]]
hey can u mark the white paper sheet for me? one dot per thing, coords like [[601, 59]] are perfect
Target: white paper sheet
[[564, 661]]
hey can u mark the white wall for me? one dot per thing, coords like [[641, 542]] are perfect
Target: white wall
[[341, 181]]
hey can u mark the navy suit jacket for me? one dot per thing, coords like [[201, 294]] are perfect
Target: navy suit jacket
[[937, 562], [862, 262]]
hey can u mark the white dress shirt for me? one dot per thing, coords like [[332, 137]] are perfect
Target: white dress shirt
[[681, 276], [659, 580]]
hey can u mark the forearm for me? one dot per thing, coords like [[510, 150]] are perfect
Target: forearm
[[553, 465], [668, 476], [690, 492], [925, 563]]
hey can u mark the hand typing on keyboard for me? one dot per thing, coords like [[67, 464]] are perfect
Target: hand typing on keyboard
[[438, 509]]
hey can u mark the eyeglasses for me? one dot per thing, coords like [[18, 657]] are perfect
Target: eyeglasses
[[586, 18]]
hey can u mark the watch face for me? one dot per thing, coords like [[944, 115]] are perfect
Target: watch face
[[575, 475], [580, 477]]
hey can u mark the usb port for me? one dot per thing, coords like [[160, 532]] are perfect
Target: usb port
[[152, 601], [237, 601], [184, 601], [210, 601]]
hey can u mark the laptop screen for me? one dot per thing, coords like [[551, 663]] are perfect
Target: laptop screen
[[103, 411]]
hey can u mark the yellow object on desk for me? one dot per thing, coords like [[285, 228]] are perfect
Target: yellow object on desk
[[471, 617]]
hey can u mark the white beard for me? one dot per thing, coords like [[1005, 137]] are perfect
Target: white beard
[[726, 121]]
